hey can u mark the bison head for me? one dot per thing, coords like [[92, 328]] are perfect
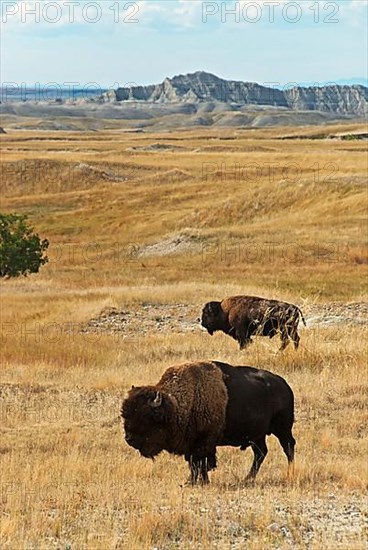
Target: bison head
[[146, 414], [213, 317]]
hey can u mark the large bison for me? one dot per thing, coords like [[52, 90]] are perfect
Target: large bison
[[244, 316], [196, 407]]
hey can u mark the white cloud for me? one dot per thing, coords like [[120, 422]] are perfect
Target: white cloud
[[354, 13], [40, 15], [162, 14]]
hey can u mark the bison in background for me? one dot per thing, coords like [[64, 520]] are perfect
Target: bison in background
[[244, 316], [196, 407]]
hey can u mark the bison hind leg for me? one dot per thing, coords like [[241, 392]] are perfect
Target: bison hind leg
[[284, 338], [296, 340], [287, 442], [293, 333]]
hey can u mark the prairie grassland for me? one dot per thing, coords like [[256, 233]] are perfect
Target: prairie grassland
[[248, 200], [211, 215]]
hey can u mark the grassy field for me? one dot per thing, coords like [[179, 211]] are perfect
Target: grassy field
[[167, 219]]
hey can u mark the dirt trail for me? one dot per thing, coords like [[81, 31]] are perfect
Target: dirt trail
[[149, 318]]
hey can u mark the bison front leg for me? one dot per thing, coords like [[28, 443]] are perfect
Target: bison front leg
[[260, 451], [199, 468], [243, 338], [204, 471], [206, 465], [245, 343], [194, 466]]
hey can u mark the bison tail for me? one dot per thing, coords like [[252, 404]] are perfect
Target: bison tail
[[301, 315]]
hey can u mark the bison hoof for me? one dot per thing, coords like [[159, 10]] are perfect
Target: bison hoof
[[198, 483], [188, 483], [246, 344], [249, 479]]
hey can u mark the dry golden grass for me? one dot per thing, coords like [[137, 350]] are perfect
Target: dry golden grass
[[251, 199], [68, 479]]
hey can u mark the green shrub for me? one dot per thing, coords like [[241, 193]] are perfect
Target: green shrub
[[21, 250]]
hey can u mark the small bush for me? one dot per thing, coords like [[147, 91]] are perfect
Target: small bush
[[21, 250]]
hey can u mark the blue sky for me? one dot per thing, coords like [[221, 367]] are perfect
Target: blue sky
[[276, 41]]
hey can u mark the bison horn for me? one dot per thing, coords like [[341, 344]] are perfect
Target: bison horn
[[157, 400]]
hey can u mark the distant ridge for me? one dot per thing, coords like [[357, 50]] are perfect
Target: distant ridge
[[187, 101], [202, 87]]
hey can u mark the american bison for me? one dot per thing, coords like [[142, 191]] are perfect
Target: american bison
[[196, 407], [244, 316]]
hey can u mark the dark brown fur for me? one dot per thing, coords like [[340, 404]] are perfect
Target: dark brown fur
[[189, 420], [197, 406], [244, 316]]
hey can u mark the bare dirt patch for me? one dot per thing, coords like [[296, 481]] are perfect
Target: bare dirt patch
[[148, 318], [336, 313], [158, 147], [175, 244], [107, 175]]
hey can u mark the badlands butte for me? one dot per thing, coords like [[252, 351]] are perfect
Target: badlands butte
[[184, 101], [147, 224]]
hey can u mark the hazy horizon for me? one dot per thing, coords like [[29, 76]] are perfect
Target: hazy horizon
[[21, 91]]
